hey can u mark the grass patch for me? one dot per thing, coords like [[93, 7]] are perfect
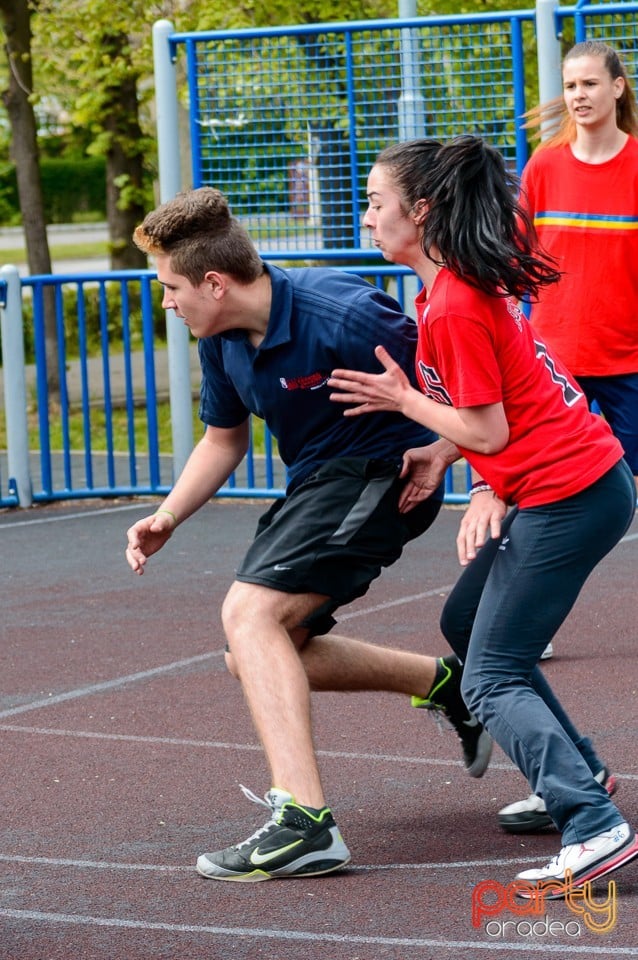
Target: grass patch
[[120, 430], [70, 251], [98, 432]]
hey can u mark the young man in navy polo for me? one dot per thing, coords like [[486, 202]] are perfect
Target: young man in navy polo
[[357, 493]]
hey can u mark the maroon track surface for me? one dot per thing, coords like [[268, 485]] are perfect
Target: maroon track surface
[[123, 742]]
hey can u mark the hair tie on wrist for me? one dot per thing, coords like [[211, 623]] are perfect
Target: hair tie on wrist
[[480, 487], [169, 512]]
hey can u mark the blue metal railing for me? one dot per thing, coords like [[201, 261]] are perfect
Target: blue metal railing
[[108, 350], [329, 96]]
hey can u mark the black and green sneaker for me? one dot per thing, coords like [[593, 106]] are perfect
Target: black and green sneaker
[[296, 842], [445, 696]]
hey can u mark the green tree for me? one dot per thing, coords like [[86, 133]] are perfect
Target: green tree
[[16, 16], [95, 56]]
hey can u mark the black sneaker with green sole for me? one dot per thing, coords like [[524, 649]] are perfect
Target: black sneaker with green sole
[[296, 842]]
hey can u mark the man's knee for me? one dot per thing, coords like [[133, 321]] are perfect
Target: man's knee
[[242, 603], [231, 665]]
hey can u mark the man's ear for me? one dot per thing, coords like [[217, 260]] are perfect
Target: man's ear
[[218, 283]]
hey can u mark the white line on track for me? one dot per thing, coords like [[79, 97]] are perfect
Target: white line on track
[[251, 747], [259, 933], [222, 745], [92, 688], [34, 521], [176, 868]]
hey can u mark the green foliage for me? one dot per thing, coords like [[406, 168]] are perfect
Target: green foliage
[[9, 203], [71, 188], [86, 51]]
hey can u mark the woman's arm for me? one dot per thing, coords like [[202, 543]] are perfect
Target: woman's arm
[[483, 429]]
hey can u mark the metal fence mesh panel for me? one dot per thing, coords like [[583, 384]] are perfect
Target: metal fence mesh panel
[[288, 123], [613, 23]]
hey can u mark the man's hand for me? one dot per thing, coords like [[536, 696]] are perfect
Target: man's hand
[[423, 471], [146, 537], [483, 516]]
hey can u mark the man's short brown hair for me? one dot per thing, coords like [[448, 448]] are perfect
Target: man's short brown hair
[[199, 233]]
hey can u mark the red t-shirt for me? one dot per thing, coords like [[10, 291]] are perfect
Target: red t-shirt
[[475, 349], [586, 215]]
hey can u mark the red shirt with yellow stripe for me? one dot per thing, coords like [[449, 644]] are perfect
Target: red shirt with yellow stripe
[[586, 216]]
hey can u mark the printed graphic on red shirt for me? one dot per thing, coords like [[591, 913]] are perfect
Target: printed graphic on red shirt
[[476, 351], [431, 383]]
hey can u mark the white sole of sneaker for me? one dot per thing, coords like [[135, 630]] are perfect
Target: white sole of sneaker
[[256, 875], [626, 855], [621, 857]]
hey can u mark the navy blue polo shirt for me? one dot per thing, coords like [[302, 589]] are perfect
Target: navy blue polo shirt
[[320, 319]]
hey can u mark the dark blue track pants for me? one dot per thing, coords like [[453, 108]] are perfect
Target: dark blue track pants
[[505, 608]]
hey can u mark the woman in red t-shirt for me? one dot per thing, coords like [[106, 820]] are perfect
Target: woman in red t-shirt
[[449, 211], [580, 189]]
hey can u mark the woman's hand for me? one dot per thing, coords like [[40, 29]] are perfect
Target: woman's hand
[[483, 516], [372, 392]]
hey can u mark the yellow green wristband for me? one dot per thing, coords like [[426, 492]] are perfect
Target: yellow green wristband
[[169, 512]]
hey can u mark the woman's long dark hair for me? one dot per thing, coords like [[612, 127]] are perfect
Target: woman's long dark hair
[[472, 215]]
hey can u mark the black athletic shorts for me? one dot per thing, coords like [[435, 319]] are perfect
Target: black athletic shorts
[[334, 534]]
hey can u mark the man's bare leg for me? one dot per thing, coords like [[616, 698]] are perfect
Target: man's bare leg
[[274, 683], [277, 678], [342, 663]]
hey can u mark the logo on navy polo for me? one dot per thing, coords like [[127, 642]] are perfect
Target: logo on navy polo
[[311, 381]]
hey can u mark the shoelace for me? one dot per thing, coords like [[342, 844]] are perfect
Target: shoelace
[[554, 862], [441, 718], [274, 811]]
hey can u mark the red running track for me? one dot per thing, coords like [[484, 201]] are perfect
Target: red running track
[[123, 743]]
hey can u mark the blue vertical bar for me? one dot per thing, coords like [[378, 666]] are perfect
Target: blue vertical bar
[[84, 374], [64, 394], [106, 375], [580, 24], [270, 474], [148, 336], [518, 76], [195, 128], [250, 460], [129, 398], [352, 136]]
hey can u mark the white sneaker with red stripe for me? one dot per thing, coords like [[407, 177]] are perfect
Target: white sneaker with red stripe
[[586, 861]]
